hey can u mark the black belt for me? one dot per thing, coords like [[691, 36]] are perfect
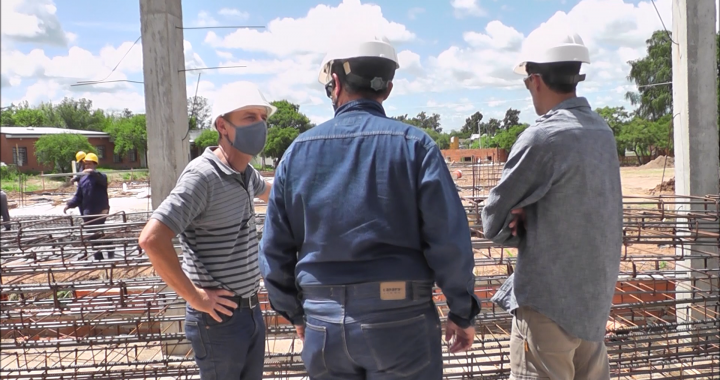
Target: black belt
[[248, 302]]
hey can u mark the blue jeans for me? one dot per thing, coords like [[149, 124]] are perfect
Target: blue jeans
[[232, 349], [351, 333]]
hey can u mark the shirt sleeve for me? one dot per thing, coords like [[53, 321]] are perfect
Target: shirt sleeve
[[278, 253], [446, 238], [257, 182], [526, 178], [77, 198], [186, 202]]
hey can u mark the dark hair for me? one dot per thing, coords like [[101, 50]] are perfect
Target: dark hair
[[561, 77], [363, 71]]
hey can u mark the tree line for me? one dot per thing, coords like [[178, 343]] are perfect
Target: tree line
[[647, 131]]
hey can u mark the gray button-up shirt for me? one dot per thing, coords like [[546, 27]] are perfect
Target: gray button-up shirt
[[564, 172]]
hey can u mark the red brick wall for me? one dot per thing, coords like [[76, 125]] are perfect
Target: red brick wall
[[457, 155], [7, 146]]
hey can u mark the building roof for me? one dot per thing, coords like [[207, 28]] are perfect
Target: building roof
[[27, 132]]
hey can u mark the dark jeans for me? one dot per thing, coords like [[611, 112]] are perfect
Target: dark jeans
[[356, 335], [96, 220], [232, 349]]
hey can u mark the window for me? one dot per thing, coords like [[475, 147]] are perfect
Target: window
[[100, 151], [132, 155], [116, 158], [466, 159], [23, 156]]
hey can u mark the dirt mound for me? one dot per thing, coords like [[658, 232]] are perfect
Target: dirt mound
[[667, 186], [660, 162]]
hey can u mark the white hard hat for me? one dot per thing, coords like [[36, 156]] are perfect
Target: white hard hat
[[553, 47], [367, 48], [245, 94]]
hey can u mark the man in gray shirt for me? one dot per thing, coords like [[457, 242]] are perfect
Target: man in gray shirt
[[212, 210], [560, 202]]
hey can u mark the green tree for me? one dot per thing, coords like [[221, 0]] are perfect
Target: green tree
[[492, 126], [7, 115], [472, 125], [208, 137], [512, 118], [278, 140], [199, 112], [617, 118], [76, 114], [128, 133], [647, 138], [653, 100], [507, 137], [59, 150], [288, 115]]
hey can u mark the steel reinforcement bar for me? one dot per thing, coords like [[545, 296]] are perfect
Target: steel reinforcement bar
[[67, 315]]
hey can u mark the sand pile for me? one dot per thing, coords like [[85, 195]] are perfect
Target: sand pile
[[667, 186], [660, 162]]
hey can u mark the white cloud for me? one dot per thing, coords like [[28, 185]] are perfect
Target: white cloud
[[205, 19], [614, 31], [234, 13], [31, 22], [414, 12], [464, 8], [410, 63], [50, 78], [497, 36], [309, 34]]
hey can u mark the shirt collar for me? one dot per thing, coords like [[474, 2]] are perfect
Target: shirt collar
[[576, 102], [366, 105], [209, 154]]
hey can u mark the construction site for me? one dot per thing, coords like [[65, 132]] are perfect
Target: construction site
[[65, 315]]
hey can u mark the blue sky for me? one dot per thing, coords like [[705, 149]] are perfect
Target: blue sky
[[456, 56]]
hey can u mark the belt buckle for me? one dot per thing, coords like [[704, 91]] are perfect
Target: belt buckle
[[250, 303]]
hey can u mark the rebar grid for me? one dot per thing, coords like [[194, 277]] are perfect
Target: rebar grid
[[66, 315]]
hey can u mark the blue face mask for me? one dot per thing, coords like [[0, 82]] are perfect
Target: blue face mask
[[249, 139]]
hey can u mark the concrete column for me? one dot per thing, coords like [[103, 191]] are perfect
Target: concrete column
[[695, 128], [165, 94]]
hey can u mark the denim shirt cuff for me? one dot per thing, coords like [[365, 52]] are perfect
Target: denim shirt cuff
[[463, 323]]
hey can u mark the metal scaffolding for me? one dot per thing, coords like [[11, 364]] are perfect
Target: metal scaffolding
[[67, 315]]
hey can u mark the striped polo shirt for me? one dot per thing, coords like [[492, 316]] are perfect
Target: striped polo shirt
[[211, 209]]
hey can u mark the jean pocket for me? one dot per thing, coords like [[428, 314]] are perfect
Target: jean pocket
[[313, 352], [193, 331], [400, 347], [211, 323]]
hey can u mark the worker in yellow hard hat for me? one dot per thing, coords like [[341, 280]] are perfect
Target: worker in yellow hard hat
[[79, 167], [92, 198]]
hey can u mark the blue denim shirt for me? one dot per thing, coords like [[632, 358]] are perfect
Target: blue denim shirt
[[364, 198]]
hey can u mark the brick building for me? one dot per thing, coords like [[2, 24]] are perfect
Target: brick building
[[17, 146], [495, 155]]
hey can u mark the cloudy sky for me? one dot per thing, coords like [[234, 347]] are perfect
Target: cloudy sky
[[456, 56]]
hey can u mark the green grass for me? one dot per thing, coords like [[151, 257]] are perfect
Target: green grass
[[13, 186]]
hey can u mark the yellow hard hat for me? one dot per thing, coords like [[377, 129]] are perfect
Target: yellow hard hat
[[92, 157], [79, 156]]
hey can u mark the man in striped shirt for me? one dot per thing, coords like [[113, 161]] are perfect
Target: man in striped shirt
[[211, 209]]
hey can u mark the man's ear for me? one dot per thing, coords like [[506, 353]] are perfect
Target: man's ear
[[388, 91], [220, 126], [336, 88]]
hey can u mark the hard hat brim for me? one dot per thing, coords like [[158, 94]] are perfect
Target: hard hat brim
[[378, 49], [271, 109]]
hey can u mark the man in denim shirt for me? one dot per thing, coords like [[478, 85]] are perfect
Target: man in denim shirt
[[559, 201], [363, 218]]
